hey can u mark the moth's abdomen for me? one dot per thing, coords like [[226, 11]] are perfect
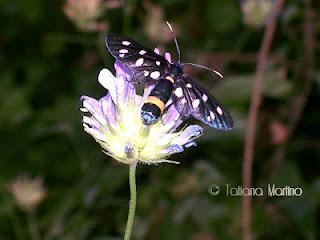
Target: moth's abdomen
[[155, 104]]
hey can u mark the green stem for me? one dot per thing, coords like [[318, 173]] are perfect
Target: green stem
[[35, 235], [133, 200]]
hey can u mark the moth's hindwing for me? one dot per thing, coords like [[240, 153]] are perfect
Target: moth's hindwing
[[145, 65], [192, 99]]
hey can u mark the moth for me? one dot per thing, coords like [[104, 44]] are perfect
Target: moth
[[170, 82]]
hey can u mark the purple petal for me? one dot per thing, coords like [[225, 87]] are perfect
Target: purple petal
[[121, 70], [94, 107], [107, 80], [108, 109], [172, 115], [96, 133], [192, 131], [118, 87], [91, 122], [174, 148], [188, 135], [127, 86], [122, 89], [157, 51], [167, 56], [190, 144]]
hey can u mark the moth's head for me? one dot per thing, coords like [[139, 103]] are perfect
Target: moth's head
[[150, 113], [148, 118], [177, 69]]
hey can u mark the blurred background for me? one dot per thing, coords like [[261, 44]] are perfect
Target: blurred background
[[55, 182]]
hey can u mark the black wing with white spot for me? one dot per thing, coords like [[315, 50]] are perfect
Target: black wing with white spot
[[145, 65], [192, 99]]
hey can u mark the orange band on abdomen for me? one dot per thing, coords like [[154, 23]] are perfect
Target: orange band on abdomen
[[156, 101], [169, 79]]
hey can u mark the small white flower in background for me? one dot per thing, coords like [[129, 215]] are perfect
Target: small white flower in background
[[114, 121], [27, 192], [256, 12], [84, 14], [156, 27]]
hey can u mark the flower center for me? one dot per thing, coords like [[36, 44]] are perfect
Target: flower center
[[128, 148]]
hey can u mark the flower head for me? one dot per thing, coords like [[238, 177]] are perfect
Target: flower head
[[27, 192], [156, 27], [114, 121], [256, 12], [84, 14]]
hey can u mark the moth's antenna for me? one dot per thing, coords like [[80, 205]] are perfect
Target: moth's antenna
[[179, 54], [175, 40], [204, 67]]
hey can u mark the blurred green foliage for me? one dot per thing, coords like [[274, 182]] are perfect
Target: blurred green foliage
[[47, 64]]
